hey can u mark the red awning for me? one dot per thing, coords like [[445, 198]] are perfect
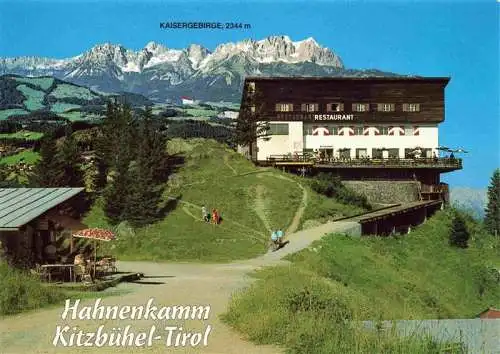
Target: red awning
[[95, 234]]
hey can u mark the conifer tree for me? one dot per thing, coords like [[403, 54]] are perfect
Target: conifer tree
[[48, 172], [145, 194], [459, 235], [492, 211], [70, 158], [117, 154], [115, 194], [251, 124]]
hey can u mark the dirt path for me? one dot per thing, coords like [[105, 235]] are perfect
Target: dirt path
[[294, 225], [176, 284], [188, 212], [226, 162], [260, 206]]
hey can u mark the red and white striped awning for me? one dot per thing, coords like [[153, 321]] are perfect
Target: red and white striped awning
[[95, 234]]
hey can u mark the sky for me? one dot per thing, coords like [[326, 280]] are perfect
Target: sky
[[442, 38]]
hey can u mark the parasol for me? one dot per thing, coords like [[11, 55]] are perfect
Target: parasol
[[96, 235]]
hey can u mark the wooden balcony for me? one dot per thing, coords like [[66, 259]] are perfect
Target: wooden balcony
[[435, 191], [445, 164]]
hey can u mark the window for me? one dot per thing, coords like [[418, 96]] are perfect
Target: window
[[334, 107], [358, 130], [427, 153], [284, 107], [385, 107], [411, 107], [383, 130], [409, 153], [377, 153], [309, 107], [409, 131], [308, 129], [360, 107], [252, 109], [393, 153], [251, 87], [345, 153], [278, 129], [361, 153]]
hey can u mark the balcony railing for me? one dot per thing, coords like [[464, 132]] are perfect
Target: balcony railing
[[434, 188], [369, 162]]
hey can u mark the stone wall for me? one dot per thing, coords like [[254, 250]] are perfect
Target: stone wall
[[386, 192], [478, 335]]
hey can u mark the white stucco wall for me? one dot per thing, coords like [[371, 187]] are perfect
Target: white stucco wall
[[277, 145], [296, 137], [282, 144], [296, 141], [427, 138]]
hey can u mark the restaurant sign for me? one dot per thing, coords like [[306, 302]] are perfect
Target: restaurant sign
[[290, 116], [334, 117]]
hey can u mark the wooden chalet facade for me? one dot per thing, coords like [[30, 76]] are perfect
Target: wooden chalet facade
[[30, 220], [373, 128]]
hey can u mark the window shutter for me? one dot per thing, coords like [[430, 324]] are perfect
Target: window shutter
[[303, 107], [418, 107], [380, 107], [405, 107], [277, 107], [392, 107], [341, 107]]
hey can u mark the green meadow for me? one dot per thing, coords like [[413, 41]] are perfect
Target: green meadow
[[303, 306], [252, 202]]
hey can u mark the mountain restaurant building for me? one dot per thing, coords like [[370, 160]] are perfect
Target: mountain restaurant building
[[361, 128]]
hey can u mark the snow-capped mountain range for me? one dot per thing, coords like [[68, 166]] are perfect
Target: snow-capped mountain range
[[163, 73]]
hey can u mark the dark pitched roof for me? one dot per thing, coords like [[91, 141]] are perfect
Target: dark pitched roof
[[19, 206], [443, 79]]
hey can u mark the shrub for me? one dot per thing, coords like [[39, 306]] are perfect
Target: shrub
[[20, 291], [332, 187], [459, 235]]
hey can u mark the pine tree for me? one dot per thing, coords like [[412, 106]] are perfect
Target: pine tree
[[251, 124], [492, 211], [145, 195], [459, 235], [115, 194], [69, 156], [117, 155], [48, 172]]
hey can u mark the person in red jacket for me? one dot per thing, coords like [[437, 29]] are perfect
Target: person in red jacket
[[215, 216]]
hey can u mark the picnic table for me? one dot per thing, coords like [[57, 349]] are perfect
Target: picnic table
[[48, 269]]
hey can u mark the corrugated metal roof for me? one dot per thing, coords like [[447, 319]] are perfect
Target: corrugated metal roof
[[18, 206]]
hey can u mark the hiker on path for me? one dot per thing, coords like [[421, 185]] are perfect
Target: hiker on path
[[280, 235], [204, 214], [215, 216], [274, 237]]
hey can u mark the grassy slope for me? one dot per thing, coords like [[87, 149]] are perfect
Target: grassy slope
[[21, 292], [248, 198], [6, 113], [416, 277], [22, 134], [34, 98], [29, 157]]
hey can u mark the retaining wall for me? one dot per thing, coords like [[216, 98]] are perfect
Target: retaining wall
[[386, 192], [479, 335]]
